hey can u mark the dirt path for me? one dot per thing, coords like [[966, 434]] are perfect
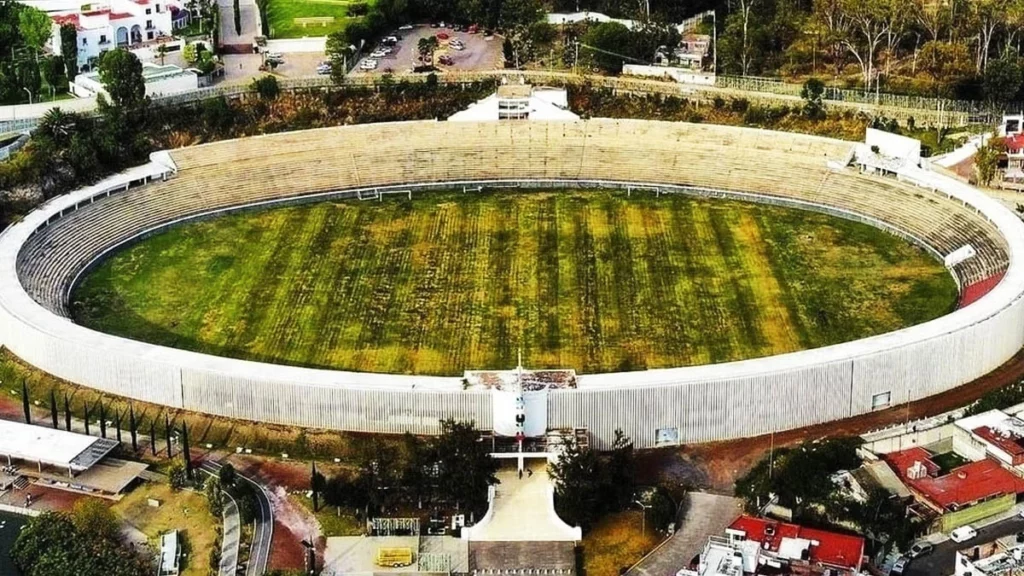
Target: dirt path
[[717, 465]]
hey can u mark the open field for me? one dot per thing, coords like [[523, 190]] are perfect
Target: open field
[[281, 15], [182, 510], [590, 280]]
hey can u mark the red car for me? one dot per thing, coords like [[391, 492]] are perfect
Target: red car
[[473, 29], [445, 60], [442, 36]]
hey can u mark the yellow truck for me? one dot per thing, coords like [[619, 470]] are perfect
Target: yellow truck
[[394, 557]]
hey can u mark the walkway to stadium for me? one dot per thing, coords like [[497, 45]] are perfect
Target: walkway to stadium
[[523, 509]]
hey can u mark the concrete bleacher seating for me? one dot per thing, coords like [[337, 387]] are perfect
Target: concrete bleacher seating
[[241, 172]]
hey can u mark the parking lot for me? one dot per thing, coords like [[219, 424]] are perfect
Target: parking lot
[[479, 54]]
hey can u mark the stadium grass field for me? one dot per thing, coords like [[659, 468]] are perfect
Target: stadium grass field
[[591, 280]]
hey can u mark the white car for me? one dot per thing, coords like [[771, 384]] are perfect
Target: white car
[[378, 54], [274, 56], [405, 27], [457, 45], [368, 64], [963, 534]]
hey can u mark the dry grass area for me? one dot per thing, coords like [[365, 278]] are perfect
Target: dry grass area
[[180, 510], [615, 543], [333, 521]]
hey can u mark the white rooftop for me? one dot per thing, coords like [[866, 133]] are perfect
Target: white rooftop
[[51, 446], [543, 104]]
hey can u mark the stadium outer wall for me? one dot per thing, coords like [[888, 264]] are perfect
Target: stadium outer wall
[[702, 403]]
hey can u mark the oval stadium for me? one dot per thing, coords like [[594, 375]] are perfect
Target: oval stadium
[[51, 256]]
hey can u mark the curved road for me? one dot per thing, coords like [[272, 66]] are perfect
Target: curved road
[[263, 534]]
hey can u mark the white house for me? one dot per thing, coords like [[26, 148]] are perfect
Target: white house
[[160, 81], [131, 24]]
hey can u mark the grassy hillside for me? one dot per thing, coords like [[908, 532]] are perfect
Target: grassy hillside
[[590, 280]]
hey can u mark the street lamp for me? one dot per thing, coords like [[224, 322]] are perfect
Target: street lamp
[[29, 92], [643, 516]]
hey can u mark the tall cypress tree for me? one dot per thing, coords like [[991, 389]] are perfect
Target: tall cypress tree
[[86, 407], [117, 424], [103, 419], [53, 408], [185, 451], [133, 427], [67, 412], [24, 402], [167, 434], [314, 486], [152, 436]]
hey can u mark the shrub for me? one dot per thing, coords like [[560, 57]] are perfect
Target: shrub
[[267, 87]]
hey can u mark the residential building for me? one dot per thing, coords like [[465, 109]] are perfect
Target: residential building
[[763, 546], [160, 81], [960, 493], [1003, 557], [127, 24]]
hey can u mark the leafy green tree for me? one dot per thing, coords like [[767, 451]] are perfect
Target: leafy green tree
[[35, 27], [214, 495], [465, 467], [227, 475], [338, 50], [53, 73], [579, 480], [812, 92], [426, 47], [29, 77], [266, 87], [606, 42], [177, 475], [95, 516], [986, 160], [54, 544], [69, 50], [1002, 79], [121, 74], [621, 466]]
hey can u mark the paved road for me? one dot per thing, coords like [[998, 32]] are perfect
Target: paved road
[[263, 534], [705, 515], [940, 562], [232, 535]]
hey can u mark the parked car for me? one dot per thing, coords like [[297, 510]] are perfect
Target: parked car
[[899, 566], [368, 64], [457, 44], [323, 68], [379, 53], [390, 40], [446, 60], [443, 36], [920, 549], [473, 29], [274, 56], [405, 27], [963, 534]]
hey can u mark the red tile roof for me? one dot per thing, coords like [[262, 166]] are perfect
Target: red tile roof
[[832, 549], [962, 486], [1012, 444], [119, 15], [62, 19], [1014, 143]]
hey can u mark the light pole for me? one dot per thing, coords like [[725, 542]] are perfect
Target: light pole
[[643, 516], [29, 92]]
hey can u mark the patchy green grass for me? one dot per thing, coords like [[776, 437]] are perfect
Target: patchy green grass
[[281, 15], [334, 520], [616, 543], [446, 282]]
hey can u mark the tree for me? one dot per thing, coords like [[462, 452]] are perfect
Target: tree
[[152, 436], [465, 467], [1002, 80], [338, 51], [53, 544], [53, 408], [621, 466], [186, 454], [117, 425], [67, 412], [238, 18], [986, 160], [745, 8], [266, 87], [227, 475], [946, 64], [869, 25], [812, 92], [161, 53], [35, 27], [579, 479], [103, 419], [608, 40], [85, 409], [25, 403], [167, 434], [133, 427], [69, 50], [94, 515], [214, 495], [316, 485], [121, 74], [426, 47], [53, 73], [177, 474]]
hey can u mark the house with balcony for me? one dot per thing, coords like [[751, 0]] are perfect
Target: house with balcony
[[130, 24]]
